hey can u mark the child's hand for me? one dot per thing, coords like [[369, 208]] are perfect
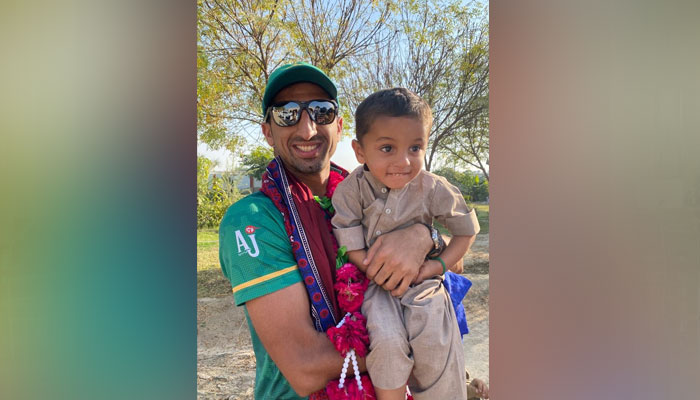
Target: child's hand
[[429, 269], [478, 388]]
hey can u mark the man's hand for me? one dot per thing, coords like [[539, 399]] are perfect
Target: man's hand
[[304, 356], [394, 259]]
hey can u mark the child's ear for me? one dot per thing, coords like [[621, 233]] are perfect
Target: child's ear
[[359, 154]]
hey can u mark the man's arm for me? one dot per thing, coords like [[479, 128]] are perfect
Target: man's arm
[[304, 356], [394, 259], [452, 256]]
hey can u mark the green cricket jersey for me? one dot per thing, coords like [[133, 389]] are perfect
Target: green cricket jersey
[[256, 256]]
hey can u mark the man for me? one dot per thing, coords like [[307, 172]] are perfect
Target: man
[[276, 246]]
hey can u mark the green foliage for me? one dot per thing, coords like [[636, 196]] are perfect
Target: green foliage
[[256, 161], [214, 196], [470, 147], [472, 188], [211, 282], [482, 214], [342, 257], [437, 48], [440, 51], [240, 43], [325, 203]]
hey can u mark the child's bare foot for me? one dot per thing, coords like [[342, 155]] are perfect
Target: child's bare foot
[[477, 389]]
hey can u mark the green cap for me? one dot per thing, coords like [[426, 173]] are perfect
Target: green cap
[[288, 74]]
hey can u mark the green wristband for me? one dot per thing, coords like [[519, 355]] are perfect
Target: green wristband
[[444, 268]]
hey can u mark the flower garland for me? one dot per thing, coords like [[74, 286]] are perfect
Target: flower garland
[[350, 336]]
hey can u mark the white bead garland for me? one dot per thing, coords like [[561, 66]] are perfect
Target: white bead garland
[[342, 321], [344, 373], [356, 369], [350, 355]]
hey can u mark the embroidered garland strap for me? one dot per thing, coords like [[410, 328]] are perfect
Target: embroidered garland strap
[[314, 249]]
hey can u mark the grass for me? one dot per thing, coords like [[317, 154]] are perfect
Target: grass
[[210, 280], [482, 214], [207, 235]]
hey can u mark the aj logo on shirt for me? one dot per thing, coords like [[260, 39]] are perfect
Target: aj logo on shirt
[[242, 243]]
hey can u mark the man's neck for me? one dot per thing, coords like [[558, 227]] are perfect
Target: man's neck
[[316, 182]]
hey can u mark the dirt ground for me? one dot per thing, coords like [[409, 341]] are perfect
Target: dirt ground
[[225, 358]]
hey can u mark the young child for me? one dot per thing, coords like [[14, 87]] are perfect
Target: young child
[[413, 338]]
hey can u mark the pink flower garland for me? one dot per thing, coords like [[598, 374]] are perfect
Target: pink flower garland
[[351, 334], [350, 286]]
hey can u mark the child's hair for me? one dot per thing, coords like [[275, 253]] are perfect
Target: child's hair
[[396, 102]]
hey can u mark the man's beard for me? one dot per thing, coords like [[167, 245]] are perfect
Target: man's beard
[[306, 166], [311, 167]]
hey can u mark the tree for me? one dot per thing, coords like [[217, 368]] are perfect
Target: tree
[[240, 42], [437, 48], [474, 151], [328, 33], [472, 188], [256, 161], [441, 53]]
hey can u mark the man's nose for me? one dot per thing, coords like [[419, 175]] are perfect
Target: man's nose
[[306, 128]]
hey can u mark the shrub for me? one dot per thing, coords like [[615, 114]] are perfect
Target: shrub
[[470, 184], [214, 196]]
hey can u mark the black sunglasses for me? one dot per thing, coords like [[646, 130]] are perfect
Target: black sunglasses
[[288, 113]]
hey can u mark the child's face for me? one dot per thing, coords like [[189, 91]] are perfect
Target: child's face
[[393, 149]]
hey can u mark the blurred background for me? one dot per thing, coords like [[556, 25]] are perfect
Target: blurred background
[[594, 195]]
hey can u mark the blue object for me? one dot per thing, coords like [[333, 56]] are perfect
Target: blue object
[[458, 286]]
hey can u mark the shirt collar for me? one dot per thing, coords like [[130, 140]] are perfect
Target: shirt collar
[[376, 185]]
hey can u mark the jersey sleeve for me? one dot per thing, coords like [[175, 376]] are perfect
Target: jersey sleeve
[[254, 250], [450, 209], [347, 221]]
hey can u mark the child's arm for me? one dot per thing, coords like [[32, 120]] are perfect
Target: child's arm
[[447, 205], [356, 257], [452, 256], [458, 266], [347, 220]]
